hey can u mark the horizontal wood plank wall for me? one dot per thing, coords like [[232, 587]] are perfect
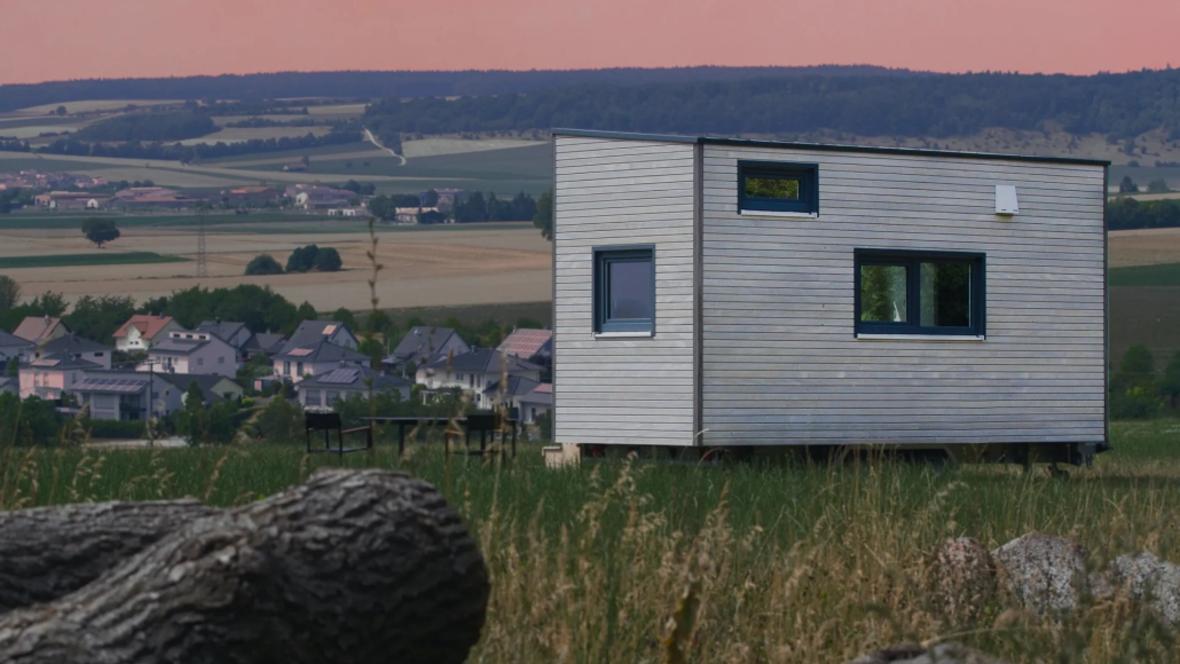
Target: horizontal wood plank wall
[[623, 391], [782, 365]]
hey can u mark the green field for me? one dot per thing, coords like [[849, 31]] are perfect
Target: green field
[[1146, 275], [1148, 315], [78, 260], [790, 564]]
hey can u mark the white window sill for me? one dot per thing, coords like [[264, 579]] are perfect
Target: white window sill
[[921, 337], [773, 213], [624, 335]]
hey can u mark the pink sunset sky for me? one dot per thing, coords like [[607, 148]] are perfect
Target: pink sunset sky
[[64, 39]]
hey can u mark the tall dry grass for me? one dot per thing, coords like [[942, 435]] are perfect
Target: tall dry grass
[[636, 562]]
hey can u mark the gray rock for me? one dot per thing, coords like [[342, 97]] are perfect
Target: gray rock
[[965, 576], [1042, 573], [943, 653], [1145, 578]]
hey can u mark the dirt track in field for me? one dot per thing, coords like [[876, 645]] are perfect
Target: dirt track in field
[[422, 268]]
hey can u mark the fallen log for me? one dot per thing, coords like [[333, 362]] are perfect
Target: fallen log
[[352, 567], [49, 552]]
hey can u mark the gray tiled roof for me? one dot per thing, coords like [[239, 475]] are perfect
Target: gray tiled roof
[[62, 362], [422, 341], [179, 346], [12, 341], [353, 378], [223, 331], [205, 381], [321, 351], [72, 343], [310, 332], [517, 386], [483, 360]]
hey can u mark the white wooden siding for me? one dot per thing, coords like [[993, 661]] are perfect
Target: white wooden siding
[[781, 364], [624, 391]]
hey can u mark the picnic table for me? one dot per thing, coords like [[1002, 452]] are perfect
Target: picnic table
[[485, 424]]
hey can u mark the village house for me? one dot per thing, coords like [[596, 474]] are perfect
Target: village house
[[424, 344], [142, 330], [535, 404], [314, 331], [39, 329], [9, 385], [535, 346], [250, 196], [74, 347], [268, 343], [321, 391], [409, 215], [508, 392], [13, 347], [294, 364], [355, 212], [61, 201], [53, 375], [214, 388], [447, 198], [191, 353], [152, 197], [235, 334], [316, 197], [127, 395], [473, 372]]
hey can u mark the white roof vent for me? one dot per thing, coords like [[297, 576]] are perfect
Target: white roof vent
[[1006, 203]]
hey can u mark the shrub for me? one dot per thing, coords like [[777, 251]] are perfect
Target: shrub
[[1135, 403], [263, 264], [281, 421], [120, 429], [327, 260]]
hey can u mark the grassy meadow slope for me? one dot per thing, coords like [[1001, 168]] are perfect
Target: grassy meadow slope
[[789, 564]]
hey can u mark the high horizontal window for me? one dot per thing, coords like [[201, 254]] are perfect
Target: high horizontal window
[[778, 187], [624, 290], [906, 292]]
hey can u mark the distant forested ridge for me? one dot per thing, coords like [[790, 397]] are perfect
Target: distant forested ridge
[[155, 126], [379, 84], [1118, 105]]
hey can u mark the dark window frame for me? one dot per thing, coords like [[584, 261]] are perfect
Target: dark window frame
[[807, 174], [912, 260], [602, 256]]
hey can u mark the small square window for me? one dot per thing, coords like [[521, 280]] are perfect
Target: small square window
[[778, 187], [903, 292], [624, 290]]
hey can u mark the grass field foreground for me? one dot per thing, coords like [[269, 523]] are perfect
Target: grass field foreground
[[789, 564], [78, 260]]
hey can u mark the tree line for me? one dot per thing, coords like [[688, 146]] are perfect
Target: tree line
[[1124, 213], [375, 84], [98, 318], [1118, 105], [475, 208], [191, 153]]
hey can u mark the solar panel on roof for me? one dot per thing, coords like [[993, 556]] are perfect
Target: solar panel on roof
[[339, 377], [301, 352]]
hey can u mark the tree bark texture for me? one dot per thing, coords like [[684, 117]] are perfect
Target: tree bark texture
[[49, 552], [351, 567]]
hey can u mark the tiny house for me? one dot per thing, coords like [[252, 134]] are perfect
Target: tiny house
[[731, 294]]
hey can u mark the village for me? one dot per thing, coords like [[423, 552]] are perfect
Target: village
[[155, 360], [63, 192]]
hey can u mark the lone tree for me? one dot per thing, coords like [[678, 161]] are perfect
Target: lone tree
[[328, 259], [543, 219], [263, 264], [100, 231], [1128, 186], [9, 292]]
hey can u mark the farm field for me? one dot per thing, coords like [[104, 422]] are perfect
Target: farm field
[[446, 266], [790, 564]]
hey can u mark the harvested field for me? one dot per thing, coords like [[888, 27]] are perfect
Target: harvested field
[[240, 134], [1148, 246], [426, 268]]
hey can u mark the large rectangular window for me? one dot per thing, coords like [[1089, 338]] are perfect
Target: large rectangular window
[[908, 292], [778, 187], [624, 290]]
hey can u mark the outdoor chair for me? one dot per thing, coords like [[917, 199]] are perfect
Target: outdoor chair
[[327, 423]]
